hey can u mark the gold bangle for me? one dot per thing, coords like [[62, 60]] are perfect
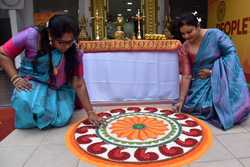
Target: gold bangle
[[16, 80], [89, 111], [15, 76], [187, 76], [182, 99]]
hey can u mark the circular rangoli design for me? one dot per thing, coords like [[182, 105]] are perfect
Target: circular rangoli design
[[140, 135]]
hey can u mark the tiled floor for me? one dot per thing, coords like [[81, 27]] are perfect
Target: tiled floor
[[46, 148]]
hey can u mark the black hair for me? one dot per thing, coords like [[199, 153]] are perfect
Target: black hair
[[57, 26], [62, 23], [175, 30], [44, 46], [188, 19]]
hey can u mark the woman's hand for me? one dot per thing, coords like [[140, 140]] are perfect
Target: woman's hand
[[179, 105], [205, 73], [94, 118], [22, 84], [82, 93]]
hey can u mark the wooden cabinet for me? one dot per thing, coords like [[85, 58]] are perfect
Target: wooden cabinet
[[7, 121]]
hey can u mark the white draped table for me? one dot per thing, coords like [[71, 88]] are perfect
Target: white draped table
[[131, 75]]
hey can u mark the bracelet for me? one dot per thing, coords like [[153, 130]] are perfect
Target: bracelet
[[16, 80], [187, 76], [89, 111], [14, 77], [182, 99]]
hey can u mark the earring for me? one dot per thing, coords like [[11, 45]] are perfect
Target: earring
[[50, 40]]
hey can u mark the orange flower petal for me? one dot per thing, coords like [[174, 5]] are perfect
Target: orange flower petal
[[120, 126], [158, 128], [125, 133], [122, 129], [133, 135], [151, 133], [135, 120], [143, 119], [154, 123], [125, 121], [158, 122], [149, 121], [158, 131], [142, 135], [147, 133], [118, 129]]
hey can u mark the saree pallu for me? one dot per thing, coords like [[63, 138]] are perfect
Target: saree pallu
[[223, 98]]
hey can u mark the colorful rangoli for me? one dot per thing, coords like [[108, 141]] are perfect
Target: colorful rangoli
[[137, 136]]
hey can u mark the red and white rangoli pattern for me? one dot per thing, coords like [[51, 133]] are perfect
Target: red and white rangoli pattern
[[139, 135]]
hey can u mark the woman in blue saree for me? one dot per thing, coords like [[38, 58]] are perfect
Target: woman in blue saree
[[50, 75], [213, 85]]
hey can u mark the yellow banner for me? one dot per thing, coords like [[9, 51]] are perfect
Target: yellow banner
[[233, 17]]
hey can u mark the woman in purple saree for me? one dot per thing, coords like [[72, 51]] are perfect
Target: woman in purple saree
[[214, 89]]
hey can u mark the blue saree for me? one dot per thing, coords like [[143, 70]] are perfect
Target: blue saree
[[48, 104], [223, 98]]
